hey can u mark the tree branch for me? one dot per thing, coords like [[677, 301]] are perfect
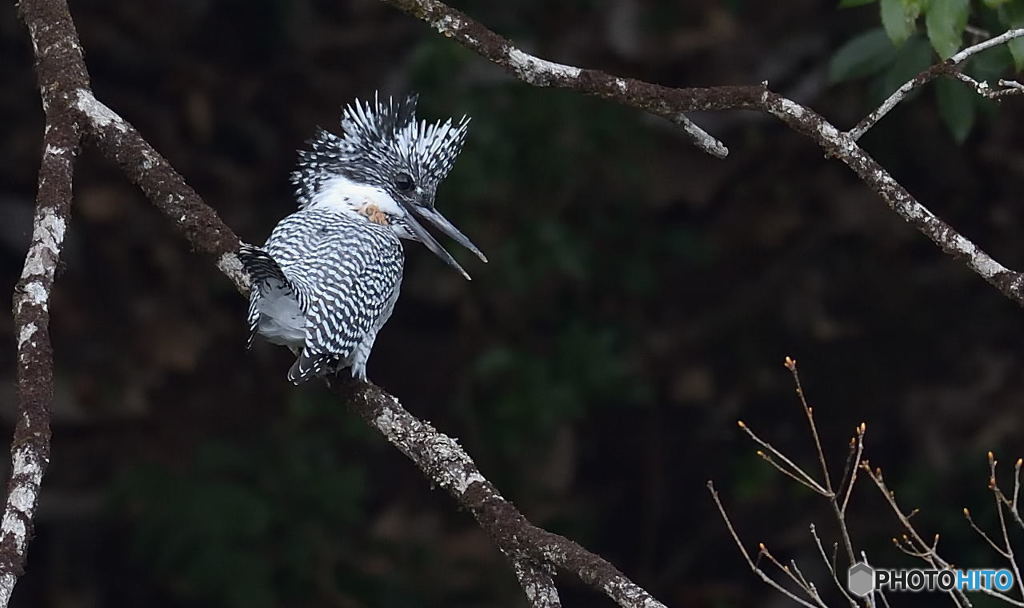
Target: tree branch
[[56, 58], [534, 553], [537, 584], [120, 142], [671, 103], [450, 467], [950, 67], [30, 447]]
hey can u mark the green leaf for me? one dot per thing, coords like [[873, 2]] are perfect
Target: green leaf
[[898, 18], [956, 106], [913, 57], [864, 55], [946, 20], [990, 65], [853, 3], [1015, 16], [994, 3]]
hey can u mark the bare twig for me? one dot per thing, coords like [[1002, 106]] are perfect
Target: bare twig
[[701, 138], [1016, 493], [1001, 503], [983, 534], [824, 488], [1016, 483], [896, 97], [1007, 87], [986, 45], [857, 448], [912, 535], [913, 544], [790, 570], [831, 567], [909, 542], [812, 485], [949, 67], [1010, 504], [790, 364], [746, 555], [779, 460], [879, 593]]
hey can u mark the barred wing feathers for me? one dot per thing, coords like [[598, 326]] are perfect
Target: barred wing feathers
[[266, 275], [346, 273]]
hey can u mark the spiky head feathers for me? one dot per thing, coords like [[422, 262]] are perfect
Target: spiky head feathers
[[384, 146]]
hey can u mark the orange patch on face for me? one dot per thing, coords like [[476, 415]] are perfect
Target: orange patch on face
[[374, 214]]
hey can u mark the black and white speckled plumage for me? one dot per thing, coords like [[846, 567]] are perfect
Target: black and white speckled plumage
[[344, 274], [379, 139], [328, 277]]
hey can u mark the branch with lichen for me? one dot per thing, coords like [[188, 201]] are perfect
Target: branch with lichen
[[73, 111], [673, 103], [30, 447], [952, 68]]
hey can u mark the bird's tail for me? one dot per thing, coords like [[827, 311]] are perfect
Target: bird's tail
[[310, 366], [265, 274], [262, 269]]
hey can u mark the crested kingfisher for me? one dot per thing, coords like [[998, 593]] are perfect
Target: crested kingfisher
[[328, 277]]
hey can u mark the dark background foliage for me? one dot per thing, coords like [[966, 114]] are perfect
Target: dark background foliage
[[640, 298]]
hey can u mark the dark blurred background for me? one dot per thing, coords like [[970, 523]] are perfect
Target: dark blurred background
[[640, 298]]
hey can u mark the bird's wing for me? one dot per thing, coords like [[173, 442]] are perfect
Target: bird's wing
[[346, 275], [266, 275]]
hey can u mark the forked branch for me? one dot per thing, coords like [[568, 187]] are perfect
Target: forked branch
[[672, 103], [789, 579], [952, 68], [72, 109]]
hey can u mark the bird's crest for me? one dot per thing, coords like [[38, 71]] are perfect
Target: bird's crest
[[378, 139]]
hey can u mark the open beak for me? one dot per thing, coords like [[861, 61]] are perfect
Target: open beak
[[448, 228], [444, 226], [427, 239]]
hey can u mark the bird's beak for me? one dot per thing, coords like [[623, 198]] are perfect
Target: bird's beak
[[427, 239], [448, 228]]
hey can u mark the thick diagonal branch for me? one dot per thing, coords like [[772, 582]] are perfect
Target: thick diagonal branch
[[30, 448], [120, 142], [449, 466], [533, 552], [670, 103], [58, 63]]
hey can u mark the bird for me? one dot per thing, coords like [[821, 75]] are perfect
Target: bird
[[327, 279]]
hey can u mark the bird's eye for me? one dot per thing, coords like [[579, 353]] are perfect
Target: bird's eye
[[403, 181]]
